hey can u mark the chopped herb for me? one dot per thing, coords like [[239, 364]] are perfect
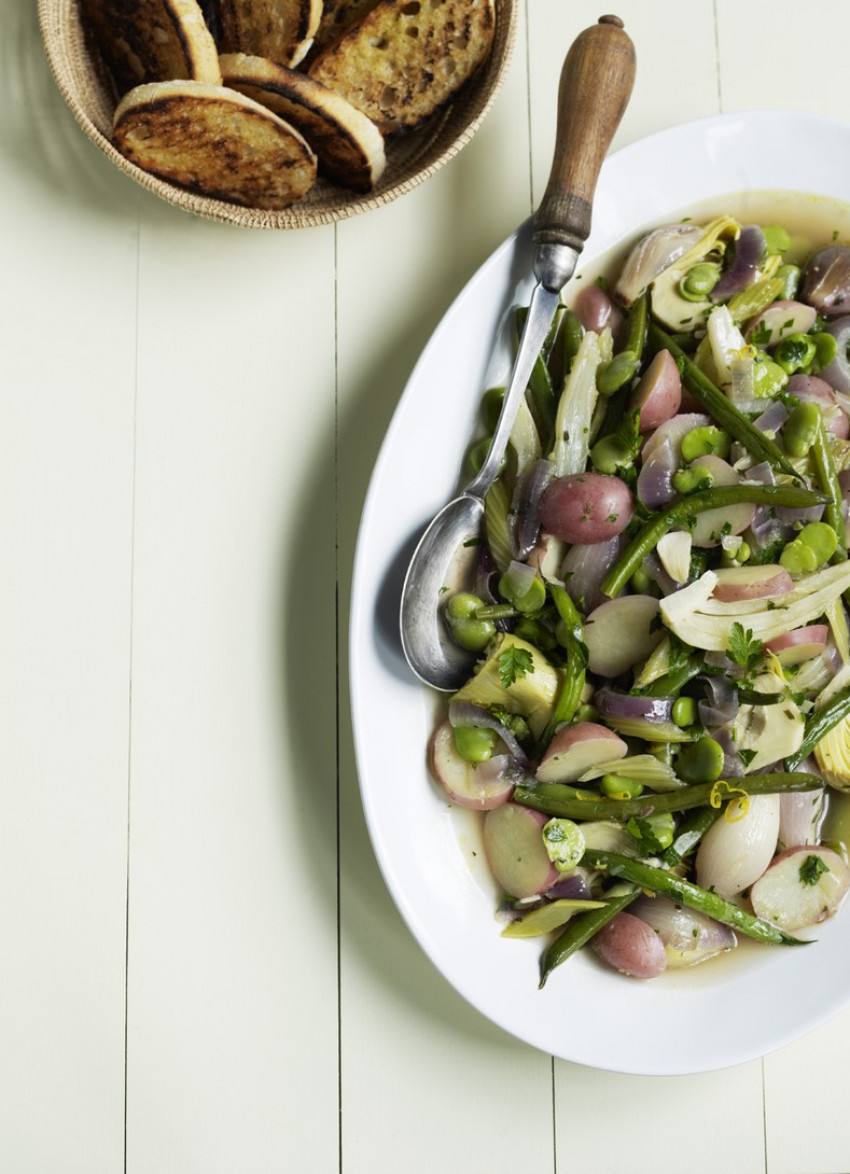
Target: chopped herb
[[744, 648], [812, 869], [746, 756], [644, 833], [514, 663]]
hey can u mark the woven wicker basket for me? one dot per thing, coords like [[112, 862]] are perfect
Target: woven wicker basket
[[410, 160]]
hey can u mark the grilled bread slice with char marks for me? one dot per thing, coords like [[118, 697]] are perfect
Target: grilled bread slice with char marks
[[406, 58], [281, 30], [349, 146], [152, 40], [215, 141]]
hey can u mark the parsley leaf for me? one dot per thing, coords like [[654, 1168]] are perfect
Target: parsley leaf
[[514, 663], [644, 833], [746, 756], [812, 869], [743, 647]]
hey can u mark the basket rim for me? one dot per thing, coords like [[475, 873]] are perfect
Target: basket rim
[[54, 25]]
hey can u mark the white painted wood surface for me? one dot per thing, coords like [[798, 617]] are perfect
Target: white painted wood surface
[[201, 968]]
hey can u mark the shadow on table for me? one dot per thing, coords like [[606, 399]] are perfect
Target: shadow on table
[[371, 929]]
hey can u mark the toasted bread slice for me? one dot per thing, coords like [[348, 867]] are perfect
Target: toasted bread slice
[[349, 146], [405, 58], [214, 141], [337, 17], [281, 30], [153, 40]]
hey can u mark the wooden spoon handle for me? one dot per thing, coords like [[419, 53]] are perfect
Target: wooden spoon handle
[[596, 83]]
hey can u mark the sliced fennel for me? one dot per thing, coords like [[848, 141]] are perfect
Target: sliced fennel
[[707, 623], [525, 440], [644, 768], [578, 399]]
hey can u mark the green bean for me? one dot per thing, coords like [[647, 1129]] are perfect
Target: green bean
[[819, 723], [667, 884], [689, 834], [681, 514], [827, 478], [719, 406], [554, 799], [540, 384], [581, 929], [574, 672], [637, 323], [672, 682]]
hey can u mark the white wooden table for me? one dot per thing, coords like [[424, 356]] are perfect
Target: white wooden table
[[202, 972]]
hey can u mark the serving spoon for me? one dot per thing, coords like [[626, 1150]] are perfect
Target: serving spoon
[[594, 90]]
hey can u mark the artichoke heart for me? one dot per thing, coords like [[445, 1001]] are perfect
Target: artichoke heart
[[668, 305], [770, 732], [531, 692]]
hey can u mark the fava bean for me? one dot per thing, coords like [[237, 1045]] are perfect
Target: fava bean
[[467, 631], [692, 480], [616, 373], [620, 787], [701, 442], [475, 744], [798, 559], [795, 353], [700, 761], [777, 239], [699, 281], [684, 712], [801, 429]]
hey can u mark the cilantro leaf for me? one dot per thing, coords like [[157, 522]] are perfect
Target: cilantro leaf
[[743, 647], [812, 869], [514, 663]]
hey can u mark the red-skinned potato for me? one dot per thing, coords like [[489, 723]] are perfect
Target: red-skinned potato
[[586, 507], [734, 519], [781, 319], [513, 843], [630, 946], [465, 784], [658, 395], [803, 886], [576, 749], [595, 310], [736, 583], [620, 633], [799, 645]]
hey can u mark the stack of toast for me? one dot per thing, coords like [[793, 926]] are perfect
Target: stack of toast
[[249, 100]]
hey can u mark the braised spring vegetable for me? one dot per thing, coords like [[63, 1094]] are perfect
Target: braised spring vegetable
[[661, 702]]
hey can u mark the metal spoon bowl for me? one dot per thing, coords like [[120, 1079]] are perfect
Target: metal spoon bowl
[[595, 85]]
